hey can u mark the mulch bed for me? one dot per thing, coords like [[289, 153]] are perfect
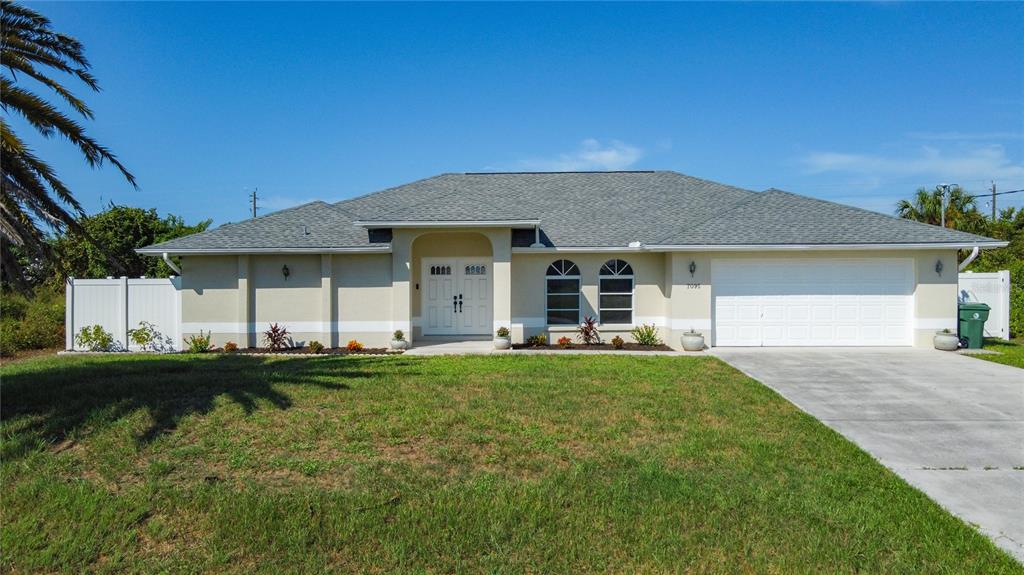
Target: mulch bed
[[595, 347], [307, 351]]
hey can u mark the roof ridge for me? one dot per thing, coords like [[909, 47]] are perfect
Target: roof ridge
[[533, 172], [368, 194]]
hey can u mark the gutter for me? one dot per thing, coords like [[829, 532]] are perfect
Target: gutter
[[760, 247], [241, 251], [170, 264], [970, 258]]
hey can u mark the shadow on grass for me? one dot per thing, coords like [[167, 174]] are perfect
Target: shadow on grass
[[75, 397]]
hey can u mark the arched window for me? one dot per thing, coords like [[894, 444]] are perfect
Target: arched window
[[616, 292], [563, 293]]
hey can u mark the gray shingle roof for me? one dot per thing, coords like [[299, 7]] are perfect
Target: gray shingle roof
[[581, 209]]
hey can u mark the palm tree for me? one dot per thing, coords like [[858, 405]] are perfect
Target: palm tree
[[32, 194], [926, 206]]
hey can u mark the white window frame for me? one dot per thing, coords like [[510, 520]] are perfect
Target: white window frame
[[631, 293], [579, 293]]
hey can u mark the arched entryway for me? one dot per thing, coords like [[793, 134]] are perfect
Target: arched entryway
[[453, 275]]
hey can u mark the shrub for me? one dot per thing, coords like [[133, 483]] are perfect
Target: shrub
[[564, 342], [354, 345], [646, 335], [230, 347], [35, 322], [537, 340], [316, 346], [399, 335], [276, 337], [503, 332], [587, 332], [95, 338], [199, 343], [145, 336], [618, 342]]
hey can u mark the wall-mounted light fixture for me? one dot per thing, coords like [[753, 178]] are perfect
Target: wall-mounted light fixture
[[938, 267], [693, 268], [287, 272]]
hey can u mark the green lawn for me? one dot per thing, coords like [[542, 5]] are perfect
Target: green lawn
[[1010, 352], [469, 464]]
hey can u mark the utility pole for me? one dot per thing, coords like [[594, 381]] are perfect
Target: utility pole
[[252, 196], [942, 203], [993, 200]]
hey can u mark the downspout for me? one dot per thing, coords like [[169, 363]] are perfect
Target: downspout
[[970, 258], [177, 270]]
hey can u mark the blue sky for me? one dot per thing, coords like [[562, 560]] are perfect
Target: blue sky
[[856, 103]]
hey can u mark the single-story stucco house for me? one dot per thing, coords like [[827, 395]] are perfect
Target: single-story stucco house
[[462, 254]]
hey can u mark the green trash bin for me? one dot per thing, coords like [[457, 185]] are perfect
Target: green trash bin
[[972, 323]]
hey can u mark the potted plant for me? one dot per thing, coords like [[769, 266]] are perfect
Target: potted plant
[[502, 339], [398, 340], [693, 341], [946, 340]]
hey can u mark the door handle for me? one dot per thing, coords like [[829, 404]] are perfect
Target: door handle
[[455, 304], [460, 303]]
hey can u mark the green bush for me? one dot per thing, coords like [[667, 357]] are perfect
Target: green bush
[[33, 322], [95, 338], [199, 343], [646, 335]]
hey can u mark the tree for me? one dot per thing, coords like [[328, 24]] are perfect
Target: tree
[[32, 197], [926, 206], [115, 233]]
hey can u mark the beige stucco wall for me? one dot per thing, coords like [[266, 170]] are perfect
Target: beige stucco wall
[[528, 297], [363, 299], [366, 296], [209, 297]]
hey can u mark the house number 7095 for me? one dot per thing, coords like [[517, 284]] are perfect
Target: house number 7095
[[692, 286]]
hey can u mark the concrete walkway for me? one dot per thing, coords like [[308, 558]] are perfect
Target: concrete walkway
[[433, 345], [950, 425]]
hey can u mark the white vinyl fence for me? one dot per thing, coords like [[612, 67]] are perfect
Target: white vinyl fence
[[994, 290], [119, 304]]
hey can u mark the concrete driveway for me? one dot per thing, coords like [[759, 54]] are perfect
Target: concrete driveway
[[950, 425]]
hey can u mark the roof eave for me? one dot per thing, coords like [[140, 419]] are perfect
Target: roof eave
[[862, 246], [280, 250], [374, 224], [761, 247]]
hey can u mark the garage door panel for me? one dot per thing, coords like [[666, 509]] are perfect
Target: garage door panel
[[812, 302]]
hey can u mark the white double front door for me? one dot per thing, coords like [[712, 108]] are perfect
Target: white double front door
[[456, 296]]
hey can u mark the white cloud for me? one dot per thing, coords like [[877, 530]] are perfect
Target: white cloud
[[967, 164], [591, 155]]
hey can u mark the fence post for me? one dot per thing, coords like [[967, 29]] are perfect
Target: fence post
[[69, 314], [124, 308]]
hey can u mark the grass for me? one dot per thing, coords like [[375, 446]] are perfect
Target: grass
[[1010, 352], [451, 464]]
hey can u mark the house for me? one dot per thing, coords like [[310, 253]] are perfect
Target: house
[[462, 254]]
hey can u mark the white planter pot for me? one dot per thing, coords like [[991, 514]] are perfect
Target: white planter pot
[[399, 344], [502, 343], [946, 341], [693, 342]]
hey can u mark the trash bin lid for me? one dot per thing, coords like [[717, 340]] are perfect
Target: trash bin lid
[[975, 306]]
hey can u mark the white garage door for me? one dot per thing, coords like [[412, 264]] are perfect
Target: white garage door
[[812, 302]]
